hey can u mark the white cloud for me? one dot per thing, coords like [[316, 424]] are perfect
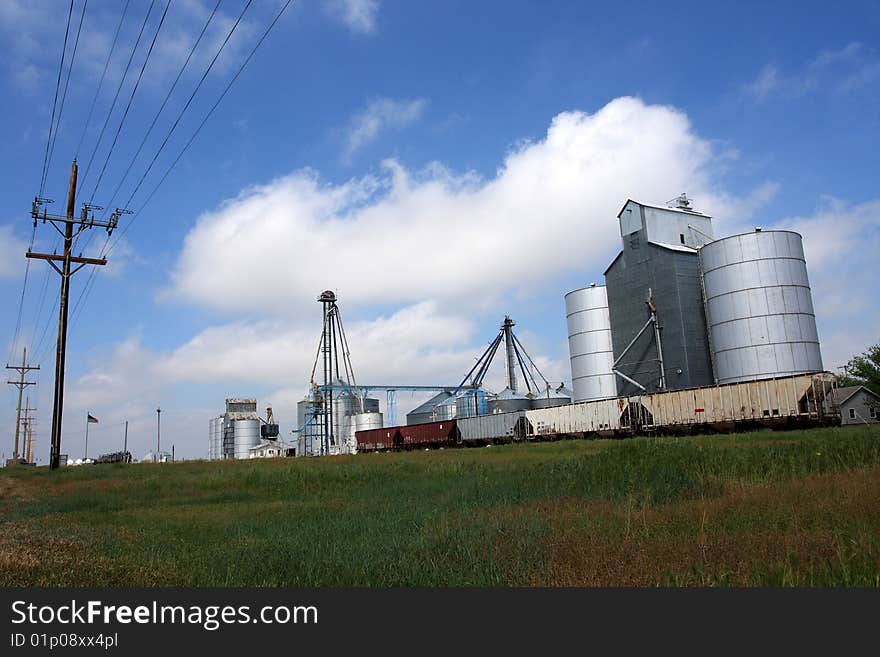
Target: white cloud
[[852, 67], [381, 114], [404, 236], [841, 243], [12, 252], [357, 15]]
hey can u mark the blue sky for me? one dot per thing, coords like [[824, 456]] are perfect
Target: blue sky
[[440, 164]]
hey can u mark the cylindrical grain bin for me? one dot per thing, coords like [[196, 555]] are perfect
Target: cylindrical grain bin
[[589, 343], [759, 309]]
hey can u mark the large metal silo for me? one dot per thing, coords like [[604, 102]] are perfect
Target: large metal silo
[[589, 343], [215, 438], [364, 422], [218, 437], [471, 403], [759, 308], [247, 435]]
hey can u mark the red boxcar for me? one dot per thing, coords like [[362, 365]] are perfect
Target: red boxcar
[[430, 434], [372, 440]]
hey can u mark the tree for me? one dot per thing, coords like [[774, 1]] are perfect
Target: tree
[[863, 370]]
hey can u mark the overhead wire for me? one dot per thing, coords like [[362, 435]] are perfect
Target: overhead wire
[[55, 102], [118, 90], [195, 45], [188, 102], [204, 120], [108, 246], [130, 101], [103, 75], [27, 268], [67, 83], [44, 173], [92, 274]]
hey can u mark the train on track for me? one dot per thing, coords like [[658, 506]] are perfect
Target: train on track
[[114, 457], [784, 402]]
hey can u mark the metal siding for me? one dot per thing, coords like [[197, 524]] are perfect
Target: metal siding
[[759, 306], [673, 277], [490, 427], [589, 343], [578, 418], [247, 435]]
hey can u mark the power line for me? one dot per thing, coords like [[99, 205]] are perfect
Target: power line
[[27, 269], [108, 246], [67, 84], [43, 353], [118, 89], [162, 107], [101, 82], [54, 102], [93, 273], [204, 120], [189, 100], [40, 305], [130, 100]]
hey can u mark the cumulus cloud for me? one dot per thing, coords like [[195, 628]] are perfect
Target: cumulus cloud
[[11, 253], [841, 241], [358, 15], [381, 114], [405, 236]]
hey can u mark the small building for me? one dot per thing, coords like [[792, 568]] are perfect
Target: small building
[[857, 405], [155, 457], [267, 449]]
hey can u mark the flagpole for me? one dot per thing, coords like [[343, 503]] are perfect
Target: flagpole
[[86, 455]]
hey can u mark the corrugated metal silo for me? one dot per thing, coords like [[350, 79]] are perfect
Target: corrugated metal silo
[[759, 307], [508, 401], [211, 423], [471, 403], [247, 435], [589, 343]]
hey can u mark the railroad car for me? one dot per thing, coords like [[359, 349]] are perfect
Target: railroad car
[[785, 401]]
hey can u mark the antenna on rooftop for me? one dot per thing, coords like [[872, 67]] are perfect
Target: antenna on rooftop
[[681, 202]]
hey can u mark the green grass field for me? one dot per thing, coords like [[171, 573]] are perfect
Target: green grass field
[[798, 508]]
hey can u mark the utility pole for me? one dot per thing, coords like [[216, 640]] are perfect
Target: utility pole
[[28, 426], [72, 226], [158, 431], [125, 440], [21, 384]]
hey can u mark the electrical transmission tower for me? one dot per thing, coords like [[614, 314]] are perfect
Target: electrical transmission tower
[[69, 226], [21, 384]]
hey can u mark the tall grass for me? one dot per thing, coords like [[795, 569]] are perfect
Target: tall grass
[[549, 513]]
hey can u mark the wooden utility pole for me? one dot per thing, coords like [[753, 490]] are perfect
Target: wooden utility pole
[[72, 227], [28, 425], [125, 439], [21, 384]]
